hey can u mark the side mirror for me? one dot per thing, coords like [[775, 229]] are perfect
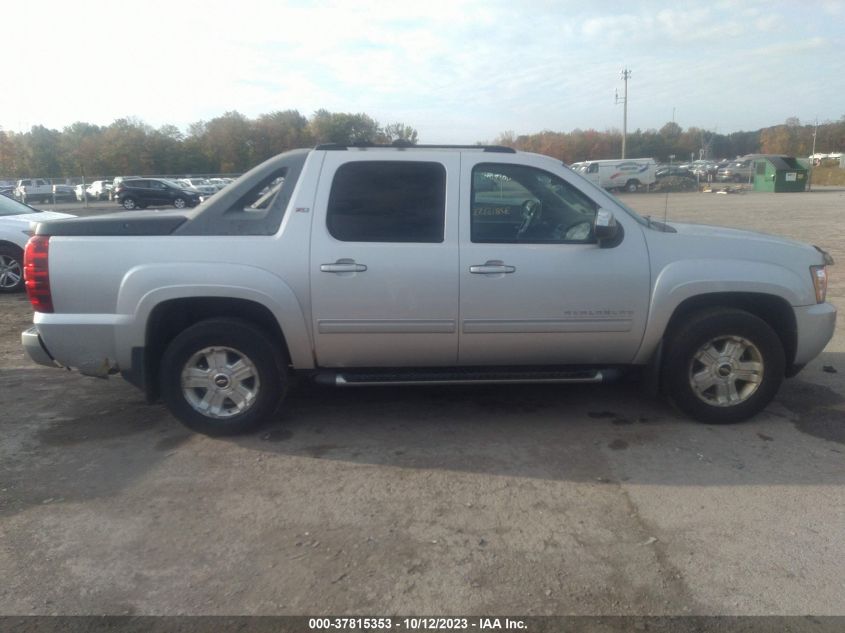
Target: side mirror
[[605, 226], [607, 231]]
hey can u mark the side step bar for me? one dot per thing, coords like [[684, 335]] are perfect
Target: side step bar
[[458, 377]]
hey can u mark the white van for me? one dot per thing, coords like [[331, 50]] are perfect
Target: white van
[[625, 173]]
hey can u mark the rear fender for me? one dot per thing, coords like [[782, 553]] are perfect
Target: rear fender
[[145, 287]]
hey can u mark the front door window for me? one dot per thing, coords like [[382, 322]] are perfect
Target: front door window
[[521, 204]]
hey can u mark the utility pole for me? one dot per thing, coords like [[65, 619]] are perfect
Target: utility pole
[[626, 74], [812, 157]]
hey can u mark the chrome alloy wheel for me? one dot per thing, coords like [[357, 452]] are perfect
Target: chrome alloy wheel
[[220, 382], [10, 272], [726, 371]]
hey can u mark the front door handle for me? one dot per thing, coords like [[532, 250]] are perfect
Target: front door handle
[[343, 266], [492, 267]]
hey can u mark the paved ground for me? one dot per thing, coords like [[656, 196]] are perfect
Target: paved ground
[[506, 500]]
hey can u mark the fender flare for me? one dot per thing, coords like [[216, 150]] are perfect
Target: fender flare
[[683, 280], [147, 286]]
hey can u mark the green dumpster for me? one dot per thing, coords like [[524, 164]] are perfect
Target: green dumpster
[[779, 174]]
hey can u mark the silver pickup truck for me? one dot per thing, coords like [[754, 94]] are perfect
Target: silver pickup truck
[[420, 265]]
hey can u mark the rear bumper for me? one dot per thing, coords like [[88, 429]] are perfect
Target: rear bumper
[[85, 342], [35, 348], [815, 329]]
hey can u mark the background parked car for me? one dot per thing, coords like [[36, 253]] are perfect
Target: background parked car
[[34, 190], [664, 171], [199, 185], [704, 169], [116, 182], [737, 171], [139, 193], [63, 193], [99, 189], [14, 222], [217, 183]]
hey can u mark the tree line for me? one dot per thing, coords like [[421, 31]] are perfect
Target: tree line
[[792, 138], [233, 143]]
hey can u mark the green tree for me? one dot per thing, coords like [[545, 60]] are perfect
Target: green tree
[[80, 151], [343, 127], [11, 155], [124, 149], [41, 147], [398, 132], [279, 132]]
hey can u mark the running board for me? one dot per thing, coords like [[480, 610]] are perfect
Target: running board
[[465, 377]]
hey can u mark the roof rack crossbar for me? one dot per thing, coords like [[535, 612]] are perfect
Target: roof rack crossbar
[[407, 145]]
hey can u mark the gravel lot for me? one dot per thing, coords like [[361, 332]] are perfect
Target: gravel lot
[[506, 500]]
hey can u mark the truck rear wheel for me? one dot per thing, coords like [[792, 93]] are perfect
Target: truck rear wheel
[[223, 377], [723, 365]]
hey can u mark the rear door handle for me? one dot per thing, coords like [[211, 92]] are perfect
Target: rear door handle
[[343, 266], [492, 267]]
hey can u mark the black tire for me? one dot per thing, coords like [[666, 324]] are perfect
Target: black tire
[[129, 203], [11, 269], [242, 340], [708, 329], [632, 185], [180, 202]]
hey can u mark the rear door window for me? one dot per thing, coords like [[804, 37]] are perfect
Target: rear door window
[[388, 201]]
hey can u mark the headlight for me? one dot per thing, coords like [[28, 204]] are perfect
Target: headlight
[[819, 274]]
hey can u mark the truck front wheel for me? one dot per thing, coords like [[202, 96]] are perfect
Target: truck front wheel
[[223, 377], [632, 185], [723, 365]]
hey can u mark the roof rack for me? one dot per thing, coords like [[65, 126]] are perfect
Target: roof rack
[[403, 144]]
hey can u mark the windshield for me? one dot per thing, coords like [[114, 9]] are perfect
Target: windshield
[[13, 207], [173, 183]]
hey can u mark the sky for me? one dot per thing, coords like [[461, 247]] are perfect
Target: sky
[[459, 72]]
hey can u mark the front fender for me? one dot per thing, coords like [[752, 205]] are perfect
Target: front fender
[[144, 287], [682, 280]]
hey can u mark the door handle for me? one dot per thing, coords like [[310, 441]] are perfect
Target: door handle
[[491, 267], [343, 266]]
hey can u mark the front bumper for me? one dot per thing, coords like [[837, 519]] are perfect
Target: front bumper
[[34, 346], [816, 324]]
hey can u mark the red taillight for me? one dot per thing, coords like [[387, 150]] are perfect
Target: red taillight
[[36, 273]]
